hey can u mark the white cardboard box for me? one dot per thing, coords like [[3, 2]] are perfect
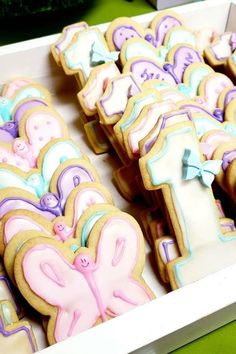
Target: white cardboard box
[[173, 319]]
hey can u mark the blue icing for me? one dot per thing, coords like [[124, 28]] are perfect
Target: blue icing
[[89, 225], [137, 107]]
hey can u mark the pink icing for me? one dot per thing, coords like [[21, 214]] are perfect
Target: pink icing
[[86, 290], [213, 88], [11, 88], [20, 223], [212, 141]]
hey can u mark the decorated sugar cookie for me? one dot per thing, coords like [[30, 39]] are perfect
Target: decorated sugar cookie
[[96, 85], [123, 28], [211, 87], [109, 108], [16, 336], [8, 104], [145, 69], [115, 275], [184, 162], [95, 52], [65, 38], [132, 111], [138, 47], [179, 58], [162, 23]]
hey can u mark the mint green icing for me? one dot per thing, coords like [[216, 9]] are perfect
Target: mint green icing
[[139, 104]]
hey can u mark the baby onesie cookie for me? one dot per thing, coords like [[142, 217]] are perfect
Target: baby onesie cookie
[[16, 336], [86, 274], [162, 23], [205, 37], [182, 158], [132, 111], [121, 29], [109, 108], [142, 126], [221, 49], [179, 58], [145, 69], [65, 38], [95, 86], [95, 51]]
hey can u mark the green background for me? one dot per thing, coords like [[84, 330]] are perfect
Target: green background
[[223, 340]]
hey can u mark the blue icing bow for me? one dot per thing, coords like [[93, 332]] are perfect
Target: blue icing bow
[[206, 171], [99, 55]]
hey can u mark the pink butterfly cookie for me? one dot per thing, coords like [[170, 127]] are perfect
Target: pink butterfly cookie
[[97, 283]]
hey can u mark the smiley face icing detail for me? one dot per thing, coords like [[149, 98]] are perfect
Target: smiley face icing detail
[[50, 204], [83, 289]]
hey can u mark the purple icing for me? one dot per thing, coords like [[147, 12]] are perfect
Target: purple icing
[[183, 57], [26, 105], [165, 118], [14, 203], [218, 114], [230, 95], [149, 38], [165, 247], [163, 27], [197, 109], [228, 157], [70, 178], [122, 34], [51, 204], [169, 116], [133, 90], [230, 225], [11, 128], [147, 70], [5, 278], [17, 330], [5, 136]]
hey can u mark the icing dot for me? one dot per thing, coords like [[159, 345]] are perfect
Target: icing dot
[[36, 127], [40, 138], [48, 122], [4, 159], [18, 163], [52, 137]]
